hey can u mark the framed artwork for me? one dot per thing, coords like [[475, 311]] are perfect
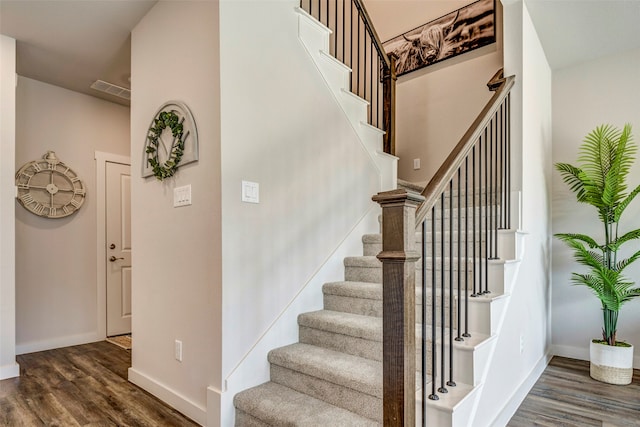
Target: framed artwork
[[453, 34]]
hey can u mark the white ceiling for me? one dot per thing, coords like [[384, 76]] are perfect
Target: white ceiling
[[574, 31], [71, 43]]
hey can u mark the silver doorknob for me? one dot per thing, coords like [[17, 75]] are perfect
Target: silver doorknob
[[114, 259]]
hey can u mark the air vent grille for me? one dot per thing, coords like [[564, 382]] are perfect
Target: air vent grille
[[119, 91]]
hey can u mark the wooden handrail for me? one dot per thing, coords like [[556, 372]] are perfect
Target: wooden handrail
[[372, 32], [438, 183]]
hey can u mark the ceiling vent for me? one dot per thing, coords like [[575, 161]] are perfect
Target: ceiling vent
[[119, 91]]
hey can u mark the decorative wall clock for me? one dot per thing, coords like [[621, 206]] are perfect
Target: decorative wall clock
[[172, 141], [49, 188]]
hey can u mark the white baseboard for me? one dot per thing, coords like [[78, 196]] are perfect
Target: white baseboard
[[570, 352], [169, 396], [521, 392], [58, 342], [214, 407], [581, 353], [9, 371]]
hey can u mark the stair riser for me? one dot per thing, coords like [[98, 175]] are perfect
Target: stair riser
[[373, 249], [367, 307], [360, 347], [355, 346], [364, 307], [374, 275], [360, 403]]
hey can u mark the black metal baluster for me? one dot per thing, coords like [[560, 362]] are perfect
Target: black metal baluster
[[450, 383], [357, 68], [459, 240], [473, 213], [495, 191], [378, 91], [509, 161], [466, 247], [481, 235], [489, 188], [371, 106], [423, 363], [335, 33], [442, 388], [485, 259], [365, 70], [433, 395], [501, 183], [343, 31]]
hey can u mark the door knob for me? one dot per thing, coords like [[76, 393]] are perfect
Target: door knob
[[114, 259]]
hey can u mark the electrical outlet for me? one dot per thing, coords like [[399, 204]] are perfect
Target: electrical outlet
[[521, 344], [178, 350], [416, 164]]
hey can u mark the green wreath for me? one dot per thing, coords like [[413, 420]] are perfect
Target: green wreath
[[165, 119]]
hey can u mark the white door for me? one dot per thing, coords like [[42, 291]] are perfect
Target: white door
[[118, 232]]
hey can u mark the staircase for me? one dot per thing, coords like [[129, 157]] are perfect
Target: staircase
[[334, 374]]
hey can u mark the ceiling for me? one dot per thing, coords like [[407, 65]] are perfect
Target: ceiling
[[72, 43], [574, 31]]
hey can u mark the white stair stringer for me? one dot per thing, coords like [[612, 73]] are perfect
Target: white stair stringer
[[315, 38], [472, 360]]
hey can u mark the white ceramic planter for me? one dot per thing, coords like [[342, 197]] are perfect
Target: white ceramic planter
[[610, 364]]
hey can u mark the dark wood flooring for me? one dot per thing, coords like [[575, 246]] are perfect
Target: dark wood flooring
[[84, 385], [565, 395], [87, 385]]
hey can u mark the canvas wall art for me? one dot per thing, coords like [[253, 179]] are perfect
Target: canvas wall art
[[460, 31]]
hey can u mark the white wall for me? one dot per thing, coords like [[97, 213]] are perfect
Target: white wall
[[282, 128], [8, 366], [437, 104], [605, 90], [528, 315], [176, 251], [56, 290]]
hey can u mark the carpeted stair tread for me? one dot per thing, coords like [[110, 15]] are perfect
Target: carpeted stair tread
[[277, 405], [354, 325], [357, 373]]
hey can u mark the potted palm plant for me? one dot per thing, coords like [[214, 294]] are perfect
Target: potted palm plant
[[605, 159]]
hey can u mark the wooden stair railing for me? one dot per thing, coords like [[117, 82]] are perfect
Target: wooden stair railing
[[474, 184], [354, 41]]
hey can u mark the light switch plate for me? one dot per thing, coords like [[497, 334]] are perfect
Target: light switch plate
[[250, 192], [416, 164], [182, 196]]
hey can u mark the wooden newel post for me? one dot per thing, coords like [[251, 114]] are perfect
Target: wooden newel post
[[399, 258]]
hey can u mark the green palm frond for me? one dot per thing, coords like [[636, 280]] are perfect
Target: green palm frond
[[615, 244], [619, 210], [571, 176], [580, 237], [622, 264]]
